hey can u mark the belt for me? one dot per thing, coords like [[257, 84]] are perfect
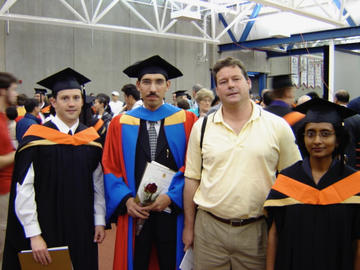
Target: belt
[[236, 222]]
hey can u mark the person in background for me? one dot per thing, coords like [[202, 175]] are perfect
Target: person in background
[[313, 94], [314, 206], [196, 87], [266, 98], [102, 109], [131, 97], [352, 124], [183, 104], [302, 99], [40, 96], [229, 176], [20, 106], [203, 98], [115, 104], [283, 98], [8, 96], [11, 114], [32, 107]]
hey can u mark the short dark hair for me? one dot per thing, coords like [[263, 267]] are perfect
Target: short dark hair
[[342, 138], [30, 104], [131, 90], [6, 79], [103, 99], [183, 104], [21, 99], [229, 62], [313, 94], [342, 96], [267, 97], [11, 113]]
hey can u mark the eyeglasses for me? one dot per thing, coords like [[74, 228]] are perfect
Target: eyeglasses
[[324, 134]]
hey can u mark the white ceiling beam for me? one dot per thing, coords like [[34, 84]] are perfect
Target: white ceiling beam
[[156, 13], [341, 10], [105, 11], [322, 8], [103, 27], [164, 15], [98, 6], [235, 20], [73, 11], [169, 26], [85, 11], [137, 14], [200, 29], [7, 5], [303, 13]]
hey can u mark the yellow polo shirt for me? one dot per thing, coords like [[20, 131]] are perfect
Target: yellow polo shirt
[[239, 169]]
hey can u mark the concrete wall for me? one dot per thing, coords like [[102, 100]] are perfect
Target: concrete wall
[[33, 51], [346, 73]]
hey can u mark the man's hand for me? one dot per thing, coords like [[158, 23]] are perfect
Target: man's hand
[[188, 237], [159, 205], [135, 210], [99, 235], [39, 249]]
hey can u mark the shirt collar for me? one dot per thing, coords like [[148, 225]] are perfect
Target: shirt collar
[[256, 112], [63, 127]]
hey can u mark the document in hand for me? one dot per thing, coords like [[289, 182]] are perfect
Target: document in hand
[[155, 181], [59, 255], [187, 262]]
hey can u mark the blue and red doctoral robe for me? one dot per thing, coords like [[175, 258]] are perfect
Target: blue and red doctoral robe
[[119, 171]]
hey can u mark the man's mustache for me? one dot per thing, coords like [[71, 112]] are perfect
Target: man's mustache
[[152, 94]]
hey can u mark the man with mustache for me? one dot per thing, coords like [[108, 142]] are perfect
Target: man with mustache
[[230, 176], [154, 132]]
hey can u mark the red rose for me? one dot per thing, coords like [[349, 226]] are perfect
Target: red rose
[[151, 188]]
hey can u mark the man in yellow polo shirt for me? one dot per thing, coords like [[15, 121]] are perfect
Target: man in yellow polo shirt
[[243, 147]]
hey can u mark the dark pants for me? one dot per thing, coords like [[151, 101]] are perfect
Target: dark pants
[[159, 230]]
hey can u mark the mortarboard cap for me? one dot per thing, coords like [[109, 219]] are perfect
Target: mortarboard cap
[[40, 91], [319, 110], [64, 79], [152, 65], [281, 81], [180, 93]]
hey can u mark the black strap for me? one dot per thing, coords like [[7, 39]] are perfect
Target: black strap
[[203, 126]]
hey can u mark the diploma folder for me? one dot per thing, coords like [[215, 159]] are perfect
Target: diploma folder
[[59, 255]]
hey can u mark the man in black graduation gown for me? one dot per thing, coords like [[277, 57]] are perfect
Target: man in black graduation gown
[[62, 203]]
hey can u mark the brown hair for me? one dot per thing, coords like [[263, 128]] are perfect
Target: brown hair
[[6, 79], [229, 62]]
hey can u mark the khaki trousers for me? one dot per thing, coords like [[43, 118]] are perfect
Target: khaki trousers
[[220, 246], [4, 204]]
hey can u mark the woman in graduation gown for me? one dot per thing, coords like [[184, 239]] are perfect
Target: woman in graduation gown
[[314, 206]]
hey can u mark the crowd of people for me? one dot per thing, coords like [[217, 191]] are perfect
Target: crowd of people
[[256, 184]]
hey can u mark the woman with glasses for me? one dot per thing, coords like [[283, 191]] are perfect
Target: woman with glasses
[[314, 206]]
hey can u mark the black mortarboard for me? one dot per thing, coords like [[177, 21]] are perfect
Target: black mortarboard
[[180, 93], [281, 81], [319, 110], [64, 79], [40, 91], [152, 65]]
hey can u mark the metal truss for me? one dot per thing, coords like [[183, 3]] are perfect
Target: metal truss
[[203, 15]]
